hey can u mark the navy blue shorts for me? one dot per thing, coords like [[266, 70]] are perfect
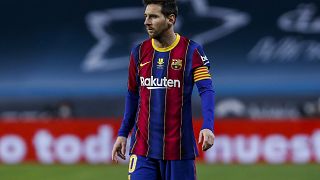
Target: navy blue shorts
[[143, 168]]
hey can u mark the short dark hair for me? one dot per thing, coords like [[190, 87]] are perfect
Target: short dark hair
[[168, 6]]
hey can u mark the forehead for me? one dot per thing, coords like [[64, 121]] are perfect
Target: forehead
[[153, 9]]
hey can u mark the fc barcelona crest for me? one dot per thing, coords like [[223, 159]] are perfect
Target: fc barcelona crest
[[176, 64]]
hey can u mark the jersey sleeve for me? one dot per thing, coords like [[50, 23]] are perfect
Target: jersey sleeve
[[207, 95], [202, 78], [200, 65], [132, 97], [133, 73]]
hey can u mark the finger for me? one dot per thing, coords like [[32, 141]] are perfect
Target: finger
[[200, 137], [114, 157], [123, 150], [206, 147], [122, 156], [205, 142], [205, 139], [113, 154], [212, 140], [208, 143], [209, 140]]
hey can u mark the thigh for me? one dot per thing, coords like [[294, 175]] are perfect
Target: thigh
[[141, 168], [178, 169]]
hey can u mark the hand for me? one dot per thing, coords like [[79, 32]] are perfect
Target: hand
[[208, 139], [119, 149]]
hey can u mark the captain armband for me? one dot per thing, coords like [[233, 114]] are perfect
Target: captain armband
[[201, 73]]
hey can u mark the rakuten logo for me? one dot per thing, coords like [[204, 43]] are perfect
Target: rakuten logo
[[156, 83]]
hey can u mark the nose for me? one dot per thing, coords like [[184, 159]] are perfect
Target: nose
[[147, 21]]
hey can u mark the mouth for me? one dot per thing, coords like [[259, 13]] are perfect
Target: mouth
[[150, 29]]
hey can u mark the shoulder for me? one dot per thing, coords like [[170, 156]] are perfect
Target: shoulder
[[143, 44], [192, 44], [195, 45], [140, 50]]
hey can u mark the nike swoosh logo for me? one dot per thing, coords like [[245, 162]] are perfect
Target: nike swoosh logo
[[143, 64]]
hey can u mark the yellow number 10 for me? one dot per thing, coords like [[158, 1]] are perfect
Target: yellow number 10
[[132, 163]]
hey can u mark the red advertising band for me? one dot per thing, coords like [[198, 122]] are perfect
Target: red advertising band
[[90, 141]]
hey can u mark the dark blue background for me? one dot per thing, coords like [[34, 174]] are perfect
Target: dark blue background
[[43, 46]]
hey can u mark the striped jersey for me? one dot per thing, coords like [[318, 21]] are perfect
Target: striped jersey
[[161, 81]]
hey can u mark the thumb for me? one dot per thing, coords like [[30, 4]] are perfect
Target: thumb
[[200, 137]]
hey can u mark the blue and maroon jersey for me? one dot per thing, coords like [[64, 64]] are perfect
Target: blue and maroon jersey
[[158, 103]]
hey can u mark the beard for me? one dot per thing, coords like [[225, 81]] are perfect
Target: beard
[[157, 34]]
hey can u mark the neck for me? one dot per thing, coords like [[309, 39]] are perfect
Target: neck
[[165, 39]]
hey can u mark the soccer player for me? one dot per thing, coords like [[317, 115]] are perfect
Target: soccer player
[[162, 72]]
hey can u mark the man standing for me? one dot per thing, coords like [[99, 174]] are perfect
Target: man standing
[[162, 72]]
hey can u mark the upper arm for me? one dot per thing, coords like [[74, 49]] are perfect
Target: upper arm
[[200, 65], [133, 82]]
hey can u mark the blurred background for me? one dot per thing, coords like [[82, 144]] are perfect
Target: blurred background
[[63, 78], [265, 56]]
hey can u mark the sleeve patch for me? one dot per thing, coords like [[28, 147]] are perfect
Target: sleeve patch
[[201, 73]]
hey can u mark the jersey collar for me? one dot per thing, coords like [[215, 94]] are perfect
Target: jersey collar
[[169, 48]]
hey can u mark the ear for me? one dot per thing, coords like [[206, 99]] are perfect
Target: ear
[[172, 19]]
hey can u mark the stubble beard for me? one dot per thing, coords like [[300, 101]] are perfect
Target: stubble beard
[[158, 34]]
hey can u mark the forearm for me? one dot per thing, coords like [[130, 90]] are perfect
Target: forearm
[[207, 103], [207, 106], [128, 121]]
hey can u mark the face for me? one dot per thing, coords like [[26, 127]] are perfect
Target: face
[[156, 23]]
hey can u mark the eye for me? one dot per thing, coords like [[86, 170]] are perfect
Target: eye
[[152, 16]]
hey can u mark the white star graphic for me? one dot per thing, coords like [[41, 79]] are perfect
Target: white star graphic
[[96, 59]]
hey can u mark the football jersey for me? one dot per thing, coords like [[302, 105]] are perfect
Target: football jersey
[[163, 79]]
